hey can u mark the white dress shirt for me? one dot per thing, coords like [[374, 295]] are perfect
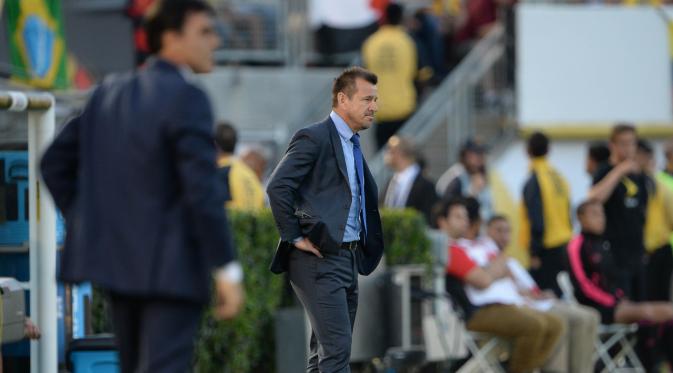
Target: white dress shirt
[[400, 186]]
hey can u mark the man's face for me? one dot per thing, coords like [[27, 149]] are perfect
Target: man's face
[[456, 222], [591, 166], [362, 106], [474, 161], [645, 161], [593, 219], [197, 41], [501, 233], [624, 146], [392, 156], [255, 161]]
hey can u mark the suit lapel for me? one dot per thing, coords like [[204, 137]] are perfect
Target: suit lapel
[[336, 145], [371, 190], [414, 189]]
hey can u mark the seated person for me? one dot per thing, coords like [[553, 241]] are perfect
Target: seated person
[[576, 349], [490, 299], [593, 270]]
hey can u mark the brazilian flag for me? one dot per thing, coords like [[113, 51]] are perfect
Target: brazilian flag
[[37, 44]]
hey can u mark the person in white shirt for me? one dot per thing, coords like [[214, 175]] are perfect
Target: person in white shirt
[[488, 299], [575, 351]]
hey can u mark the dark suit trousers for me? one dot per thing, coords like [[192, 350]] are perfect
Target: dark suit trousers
[[155, 335], [328, 289]]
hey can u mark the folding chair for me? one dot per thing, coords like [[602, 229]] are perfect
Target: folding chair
[[485, 349], [620, 338]]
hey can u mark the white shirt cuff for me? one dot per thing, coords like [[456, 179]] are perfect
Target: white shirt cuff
[[297, 240], [232, 272]]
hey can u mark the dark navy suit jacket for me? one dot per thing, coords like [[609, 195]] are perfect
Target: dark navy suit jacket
[[135, 177], [310, 197]]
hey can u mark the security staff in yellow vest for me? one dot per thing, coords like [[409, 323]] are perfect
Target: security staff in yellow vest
[[245, 190], [390, 53], [665, 176], [546, 227]]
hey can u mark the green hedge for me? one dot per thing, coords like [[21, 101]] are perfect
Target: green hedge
[[247, 344], [404, 236]]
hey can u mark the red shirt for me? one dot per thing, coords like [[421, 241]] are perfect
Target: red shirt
[[460, 264]]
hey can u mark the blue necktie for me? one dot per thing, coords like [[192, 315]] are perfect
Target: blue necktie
[[359, 168]]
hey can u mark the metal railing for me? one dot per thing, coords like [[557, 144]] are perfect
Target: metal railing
[[473, 101], [259, 31], [42, 226], [269, 32]]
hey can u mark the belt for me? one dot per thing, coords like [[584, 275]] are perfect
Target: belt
[[350, 245]]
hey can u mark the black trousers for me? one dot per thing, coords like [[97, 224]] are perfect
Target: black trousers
[[630, 276], [658, 274], [155, 335], [328, 289], [655, 342], [552, 262]]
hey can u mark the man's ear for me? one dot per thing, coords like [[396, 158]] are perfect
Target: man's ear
[[341, 97], [442, 223], [169, 38]]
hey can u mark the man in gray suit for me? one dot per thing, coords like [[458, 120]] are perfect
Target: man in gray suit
[[324, 201]]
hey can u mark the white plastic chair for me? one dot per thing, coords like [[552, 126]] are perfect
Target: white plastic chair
[[617, 337]]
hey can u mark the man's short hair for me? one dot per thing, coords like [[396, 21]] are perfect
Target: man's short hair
[[394, 13], [165, 15], [621, 128], [404, 145], [346, 82], [471, 145], [644, 146], [496, 218], [599, 152], [443, 208], [473, 209], [581, 209], [538, 145], [226, 137]]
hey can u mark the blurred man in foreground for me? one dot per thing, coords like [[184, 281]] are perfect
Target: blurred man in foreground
[[134, 175]]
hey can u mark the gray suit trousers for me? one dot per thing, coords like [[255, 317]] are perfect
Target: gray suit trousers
[[328, 289]]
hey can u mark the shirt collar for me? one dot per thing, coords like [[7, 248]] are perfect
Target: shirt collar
[[344, 131], [408, 173], [184, 70]]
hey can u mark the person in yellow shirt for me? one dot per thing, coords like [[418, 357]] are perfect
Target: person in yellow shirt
[[390, 53], [546, 226], [245, 190]]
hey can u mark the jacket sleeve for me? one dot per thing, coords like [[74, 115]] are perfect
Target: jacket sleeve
[[427, 200], [286, 179], [60, 162], [194, 153], [532, 198], [586, 286]]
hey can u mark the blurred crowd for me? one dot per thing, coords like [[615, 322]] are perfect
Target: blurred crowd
[[619, 261]]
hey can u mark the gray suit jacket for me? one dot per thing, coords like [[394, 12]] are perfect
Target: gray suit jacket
[[310, 197]]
